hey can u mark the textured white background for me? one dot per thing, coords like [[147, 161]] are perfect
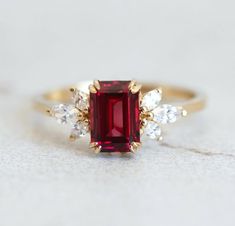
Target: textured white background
[[46, 181]]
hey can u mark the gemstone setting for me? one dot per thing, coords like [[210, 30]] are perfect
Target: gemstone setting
[[153, 130], [152, 99], [114, 116], [166, 113], [80, 100], [79, 130], [65, 113]]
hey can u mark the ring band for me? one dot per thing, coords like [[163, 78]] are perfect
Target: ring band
[[117, 113]]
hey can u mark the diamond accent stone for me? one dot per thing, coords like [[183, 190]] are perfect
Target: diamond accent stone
[[81, 100], [167, 114], [152, 99], [72, 116], [153, 130], [80, 130], [65, 113]]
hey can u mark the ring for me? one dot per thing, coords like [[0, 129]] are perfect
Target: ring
[[118, 113]]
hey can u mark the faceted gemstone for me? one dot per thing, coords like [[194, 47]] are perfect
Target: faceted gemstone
[[65, 113], [166, 114], [152, 99], [114, 116], [80, 99], [153, 130], [80, 129]]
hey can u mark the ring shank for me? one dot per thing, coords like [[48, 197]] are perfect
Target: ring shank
[[190, 100]]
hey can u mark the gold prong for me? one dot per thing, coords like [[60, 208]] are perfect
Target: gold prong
[[141, 131], [49, 112], [134, 146], [184, 113], [72, 137], [146, 115], [140, 98], [132, 83], [92, 89], [80, 117], [150, 116], [72, 89], [144, 123], [143, 109], [132, 149], [137, 144], [92, 144], [135, 88], [96, 147], [159, 90], [97, 84]]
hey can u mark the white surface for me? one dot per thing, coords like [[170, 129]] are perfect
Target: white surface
[[44, 180]]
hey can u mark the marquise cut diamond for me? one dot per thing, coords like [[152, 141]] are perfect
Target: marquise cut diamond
[[64, 113], [151, 99], [80, 129], [153, 130], [81, 100], [166, 114]]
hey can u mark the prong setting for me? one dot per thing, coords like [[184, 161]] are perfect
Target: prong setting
[[92, 88], [184, 113], [49, 112], [72, 138], [72, 90], [97, 84], [143, 123], [96, 147], [134, 87], [134, 146], [159, 90]]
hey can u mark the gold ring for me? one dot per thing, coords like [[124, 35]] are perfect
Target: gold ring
[[118, 113]]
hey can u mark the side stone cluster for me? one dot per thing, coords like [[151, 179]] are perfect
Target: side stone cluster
[[154, 115], [75, 114]]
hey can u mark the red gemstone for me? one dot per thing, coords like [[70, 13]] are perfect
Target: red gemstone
[[114, 115]]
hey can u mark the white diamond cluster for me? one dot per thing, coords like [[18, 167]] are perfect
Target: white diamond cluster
[[158, 114], [73, 114]]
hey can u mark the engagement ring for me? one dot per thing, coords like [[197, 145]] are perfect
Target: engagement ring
[[117, 113]]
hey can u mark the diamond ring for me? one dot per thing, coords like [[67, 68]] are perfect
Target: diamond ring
[[117, 114]]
